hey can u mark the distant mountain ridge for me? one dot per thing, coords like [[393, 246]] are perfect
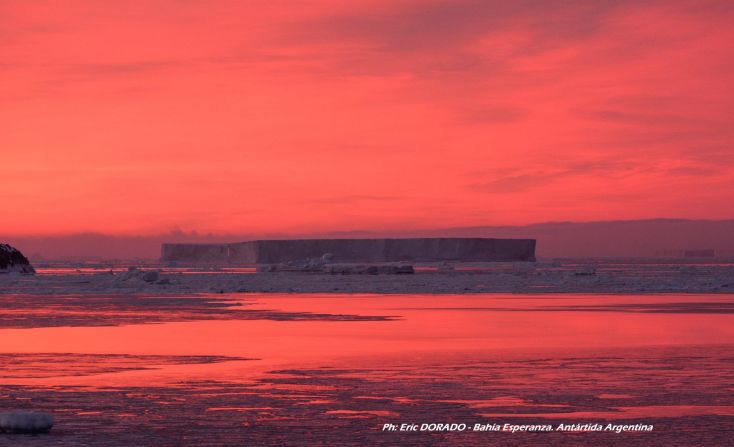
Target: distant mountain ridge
[[622, 238], [632, 238]]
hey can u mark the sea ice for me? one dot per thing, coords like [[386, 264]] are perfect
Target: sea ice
[[23, 421]]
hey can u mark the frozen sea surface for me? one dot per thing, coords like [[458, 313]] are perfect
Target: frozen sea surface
[[331, 369], [632, 276]]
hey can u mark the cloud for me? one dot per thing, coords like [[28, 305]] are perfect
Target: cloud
[[693, 171], [126, 68], [357, 198], [644, 119], [516, 183], [262, 116], [439, 25], [438, 38], [524, 180], [492, 114]]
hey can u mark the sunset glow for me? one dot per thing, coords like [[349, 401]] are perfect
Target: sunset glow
[[257, 116]]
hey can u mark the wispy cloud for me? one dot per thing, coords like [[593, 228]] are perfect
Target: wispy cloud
[[355, 198], [500, 182], [272, 115]]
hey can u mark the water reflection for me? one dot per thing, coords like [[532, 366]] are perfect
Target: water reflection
[[421, 324], [659, 358]]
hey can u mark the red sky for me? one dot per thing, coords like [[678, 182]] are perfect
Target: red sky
[[298, 116]]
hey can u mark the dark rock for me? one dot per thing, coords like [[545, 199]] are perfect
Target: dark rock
[[13, 261], [150, 276], [405, 270], [587, 270]]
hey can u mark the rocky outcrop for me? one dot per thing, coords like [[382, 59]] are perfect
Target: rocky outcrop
[[13, 261]]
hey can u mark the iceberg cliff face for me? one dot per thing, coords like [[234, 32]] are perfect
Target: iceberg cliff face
[[13, 261], [356, 250]]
